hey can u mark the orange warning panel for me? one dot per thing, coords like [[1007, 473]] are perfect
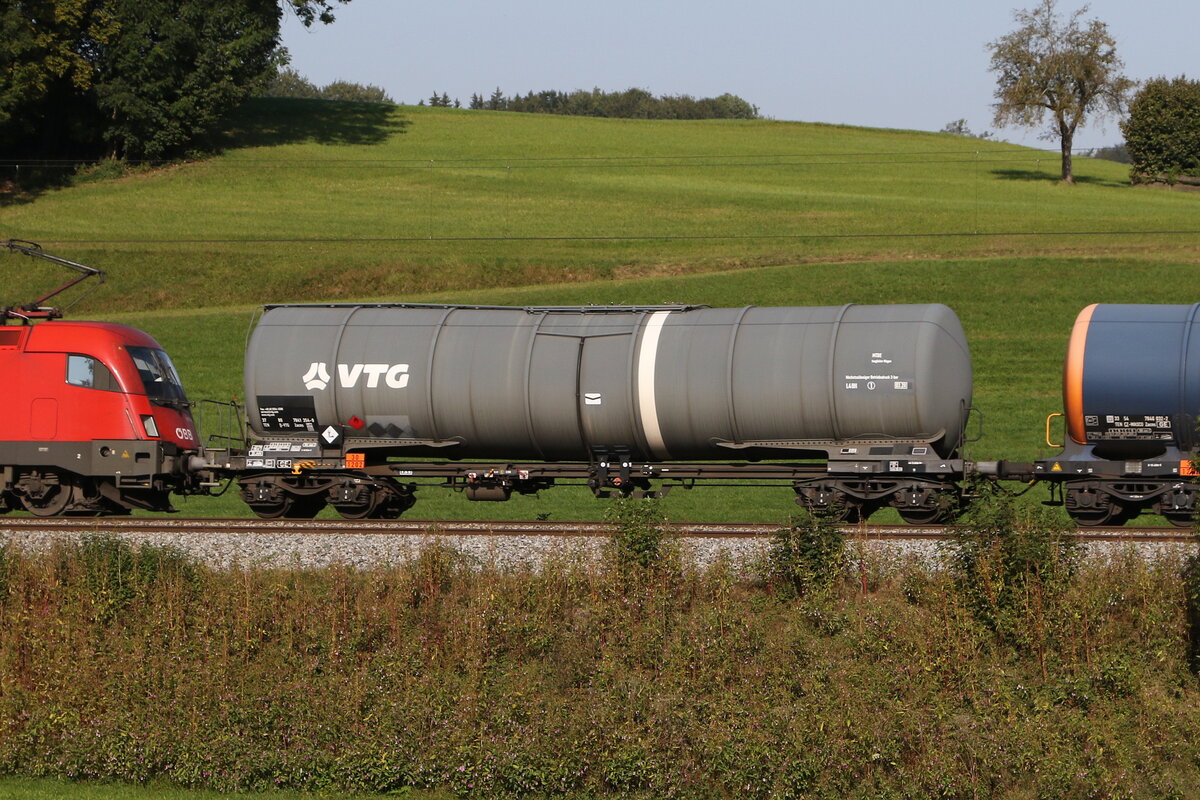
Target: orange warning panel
[[356, 460], [1188, 468]]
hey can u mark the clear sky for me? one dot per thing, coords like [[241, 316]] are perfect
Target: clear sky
[[879, 63]]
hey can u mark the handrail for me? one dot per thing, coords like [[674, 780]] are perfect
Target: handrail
[[1048, 442]]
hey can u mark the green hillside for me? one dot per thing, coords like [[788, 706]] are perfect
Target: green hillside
[[328, 201], [315, 199]]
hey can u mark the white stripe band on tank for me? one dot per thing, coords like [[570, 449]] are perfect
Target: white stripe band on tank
[[647, 404]]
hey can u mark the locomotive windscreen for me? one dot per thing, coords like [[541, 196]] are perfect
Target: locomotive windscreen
[[159, 377]]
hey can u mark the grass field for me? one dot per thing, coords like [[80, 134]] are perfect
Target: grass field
[[322, 201], [369, 202]]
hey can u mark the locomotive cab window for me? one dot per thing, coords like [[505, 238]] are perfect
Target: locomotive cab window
[[159, 378], [90, 373]]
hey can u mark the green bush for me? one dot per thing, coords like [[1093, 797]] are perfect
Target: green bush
[[1162, 132], [1191, 588], [807, 556], [640, 535], [1012, 563]]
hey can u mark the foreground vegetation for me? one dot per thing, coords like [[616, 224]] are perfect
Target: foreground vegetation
[[60, 789], [1018, 670]]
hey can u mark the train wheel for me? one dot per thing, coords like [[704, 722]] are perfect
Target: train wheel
[[1091, 517], [831, 502], [279, 508], [1124, 512], [922, 516], [290, 506], [44, 498], [366, 499], [1179, 506], [270, 498], [926, 506], [381, 506], [851, 510], [396, 505], [1089, 507], [363, 510]]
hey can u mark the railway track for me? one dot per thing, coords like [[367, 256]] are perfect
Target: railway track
[[546, 528]]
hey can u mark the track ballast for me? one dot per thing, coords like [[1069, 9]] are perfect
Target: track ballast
[[550, 528]]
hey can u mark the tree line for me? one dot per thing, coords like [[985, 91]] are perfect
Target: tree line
[[629, 104], [135, 79], [287, 82]]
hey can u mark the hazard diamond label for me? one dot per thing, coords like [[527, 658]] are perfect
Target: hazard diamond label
[[332, 436]]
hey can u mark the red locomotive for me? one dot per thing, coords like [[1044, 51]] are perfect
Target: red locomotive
[[93, 418]]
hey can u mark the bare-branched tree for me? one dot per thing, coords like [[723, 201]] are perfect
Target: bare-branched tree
[[1065, 67]]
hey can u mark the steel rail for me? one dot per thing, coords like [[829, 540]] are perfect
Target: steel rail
[[412, 527]]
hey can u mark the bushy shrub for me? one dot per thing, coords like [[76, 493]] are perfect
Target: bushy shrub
[[1012, 562], [287, 82], [640, 535], [807, 556], [1162, 131]]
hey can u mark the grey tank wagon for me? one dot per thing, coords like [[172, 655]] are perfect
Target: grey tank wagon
[[856, 407]]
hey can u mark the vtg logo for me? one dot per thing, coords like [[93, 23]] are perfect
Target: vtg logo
[[395, 376]]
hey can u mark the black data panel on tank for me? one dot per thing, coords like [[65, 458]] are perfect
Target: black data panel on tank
[[287, 413], [1128, 427]]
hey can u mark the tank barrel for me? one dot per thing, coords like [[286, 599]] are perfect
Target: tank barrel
[[644, 383]]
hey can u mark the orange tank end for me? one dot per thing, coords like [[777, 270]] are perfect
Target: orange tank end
[[1073, 375]]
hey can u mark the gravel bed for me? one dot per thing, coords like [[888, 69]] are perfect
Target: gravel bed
[[316, 550]]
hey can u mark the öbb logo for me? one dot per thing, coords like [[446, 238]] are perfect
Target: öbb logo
[[395, 376]]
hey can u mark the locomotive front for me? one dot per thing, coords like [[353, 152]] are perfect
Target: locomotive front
[[96, 420]]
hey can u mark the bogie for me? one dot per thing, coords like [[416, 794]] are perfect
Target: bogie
[[353, 496]]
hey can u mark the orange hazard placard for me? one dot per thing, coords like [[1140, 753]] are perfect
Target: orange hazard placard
[[1188, 468], [356, 460]]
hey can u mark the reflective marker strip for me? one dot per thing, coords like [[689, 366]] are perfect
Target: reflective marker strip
[[1073, 375], [647, 406]]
